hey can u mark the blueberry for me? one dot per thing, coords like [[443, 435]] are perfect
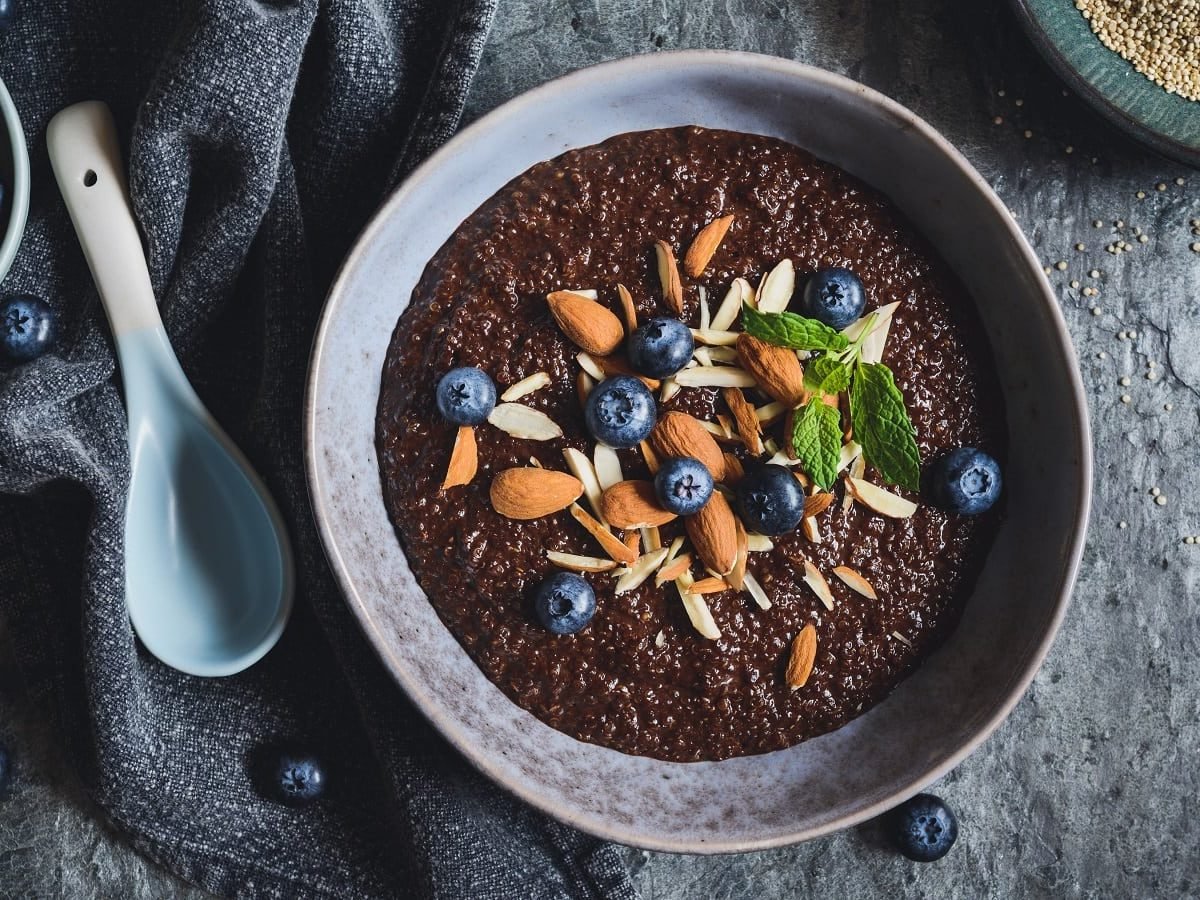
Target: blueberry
[[770, 500], [465, 396], [924, 828], [834, 296], [966, 481], [661, 347], [683, 485], [297, 777], [565, 603], [620, 411], [27, 329]]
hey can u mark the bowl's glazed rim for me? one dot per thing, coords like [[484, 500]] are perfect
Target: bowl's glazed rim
[[14, 228], [596, 824]]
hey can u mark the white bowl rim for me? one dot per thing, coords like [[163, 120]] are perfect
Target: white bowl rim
[[14, 228], [596, 824]]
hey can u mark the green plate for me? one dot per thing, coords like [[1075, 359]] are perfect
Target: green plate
[[1127, 98]]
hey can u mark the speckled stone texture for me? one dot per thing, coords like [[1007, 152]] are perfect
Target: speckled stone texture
[[1088, 790]]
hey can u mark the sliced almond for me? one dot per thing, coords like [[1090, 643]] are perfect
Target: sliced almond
[[804, 655], [673, 569], [776, 369], [668, 277], [855, 582], [757, 592], [525, 386], [530, 493], [815, 580], [705, 313], [652, 536], [777, 288], [701, 356], [713, 532], [583, 386], [731, 307], [733, 469], [677, 435], [581, 467], [697, 610], [737, 575], [615, 365], [464, 458], [704, 245], [612, 545], [715, 376], [858, 467], [633, 504], [633, 540], [759, 543], [676, 546], [524, 422], [660, 640], [901, 638], [744, 418], [592, 327], [719, 355], [726, 424], [810, 529], [649, 456], [608, 466], [883, 502], [711, 585], [670, 387], [849, 453], [640, 571], [628, 310], [714, 338], [817, 503], [575, 563], [879, 321], [588, 364], [590, 293], [771, 413], [719, 431]]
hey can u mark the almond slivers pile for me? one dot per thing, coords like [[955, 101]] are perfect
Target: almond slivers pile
[[619, 536]]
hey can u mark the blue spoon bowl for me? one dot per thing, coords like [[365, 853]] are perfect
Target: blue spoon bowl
[[208, 566]]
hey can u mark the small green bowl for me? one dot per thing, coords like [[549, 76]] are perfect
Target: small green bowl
[[14, 172]]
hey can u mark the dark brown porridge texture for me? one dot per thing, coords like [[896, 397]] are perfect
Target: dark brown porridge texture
[[589, 219]]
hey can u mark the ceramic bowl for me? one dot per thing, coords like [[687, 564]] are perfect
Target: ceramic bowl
[[937, 716], [14, 174]]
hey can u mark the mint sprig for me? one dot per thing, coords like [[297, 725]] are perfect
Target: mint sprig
[[817, 441], [882, 426], [826, 375], [792, 331]]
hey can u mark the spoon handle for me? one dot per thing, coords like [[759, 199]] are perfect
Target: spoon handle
[[86, 156]]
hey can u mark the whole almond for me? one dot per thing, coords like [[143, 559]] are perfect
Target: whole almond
[[748, 427], [530, 493], [776, 369], [677, 434], [591, 326], [817, 504], [705, 244], [627, 308], [713, 532], [804, 654], [668, 276], [633, 504]]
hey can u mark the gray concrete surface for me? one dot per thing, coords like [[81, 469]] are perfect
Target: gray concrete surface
[[1089, 789]]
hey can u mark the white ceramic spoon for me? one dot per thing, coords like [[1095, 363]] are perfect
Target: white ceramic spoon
[[208, 566]]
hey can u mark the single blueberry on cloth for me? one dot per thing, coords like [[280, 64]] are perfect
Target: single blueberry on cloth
[[259, 136]]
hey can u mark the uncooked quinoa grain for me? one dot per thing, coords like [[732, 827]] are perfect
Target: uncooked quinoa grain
[[1157, 36]]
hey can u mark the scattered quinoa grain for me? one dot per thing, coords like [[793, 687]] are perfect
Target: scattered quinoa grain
[[1189, 540], [1160, 187], [1141, 195], [998, 120], [1168, 406], [1096, 311], [1074, 284], [1068, 149], [1097, 223], [1102, 355], [1154, 491], [1125, 398], [1095, 273], [1081, 246], [1131, 334], [1196, 246], [1061, 265], [1161, 500], [1181, 181], [1143, 239], [1028, 133], [1122, 524]]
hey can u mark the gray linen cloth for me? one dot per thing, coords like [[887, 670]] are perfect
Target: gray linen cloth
[[260, 136]]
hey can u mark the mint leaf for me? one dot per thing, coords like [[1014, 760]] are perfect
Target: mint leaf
[[817, 441], [791, 330], [826, 375], [882, 426]]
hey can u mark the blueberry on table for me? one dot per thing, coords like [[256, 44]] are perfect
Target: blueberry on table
[[565, 603], [833, 296], [683, 485], [966, 481], [27, 329], [620, 411], [297, 778], [466, 396], [770, 500], [924, 828], [660, 347]]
